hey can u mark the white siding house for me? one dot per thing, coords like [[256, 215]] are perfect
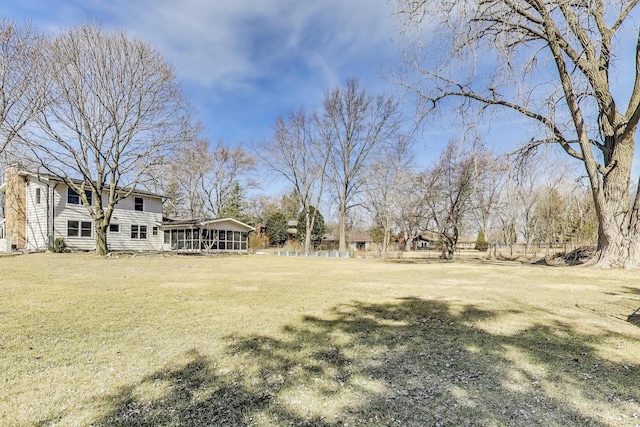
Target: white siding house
[[39, 208], [37, 218], [36, 209]]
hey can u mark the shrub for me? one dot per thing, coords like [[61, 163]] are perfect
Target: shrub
[[59, 245]]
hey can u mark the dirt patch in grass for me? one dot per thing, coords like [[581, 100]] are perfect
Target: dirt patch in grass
[[578, 256], [315, 342]]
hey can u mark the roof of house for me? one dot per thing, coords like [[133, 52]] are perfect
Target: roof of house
[[360, 237], [50, 177], [203, 223], [434, 236], [351, 238]]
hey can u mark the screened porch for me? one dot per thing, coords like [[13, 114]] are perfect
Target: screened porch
[[222, 235]]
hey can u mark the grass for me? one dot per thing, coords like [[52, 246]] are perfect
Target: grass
[[266, 341]]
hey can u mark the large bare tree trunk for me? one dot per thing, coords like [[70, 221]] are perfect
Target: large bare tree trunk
[[309, 219], [618, 236], [342, 228], [101, 239]]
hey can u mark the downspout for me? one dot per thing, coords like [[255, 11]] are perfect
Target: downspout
[[49, 218], [49, 242], [53, 214]]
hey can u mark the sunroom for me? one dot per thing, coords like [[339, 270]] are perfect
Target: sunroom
[[215, 235]]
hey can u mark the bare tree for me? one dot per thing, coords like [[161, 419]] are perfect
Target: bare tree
[[20, 49], [229, 168], [207, 176], [189, 166], [565, 212], [580, 217], [491, 180], [553, 65], [295, 153], [448, 191], [504, 228], [113, 109], [353, 126], [413, 215], [388, 185], [527, 194], [548, 214]]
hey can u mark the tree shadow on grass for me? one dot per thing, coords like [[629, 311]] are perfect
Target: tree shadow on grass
[[411, 363], [634, 316]]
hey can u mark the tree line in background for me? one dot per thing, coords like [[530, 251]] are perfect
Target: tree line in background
[[471, 192]]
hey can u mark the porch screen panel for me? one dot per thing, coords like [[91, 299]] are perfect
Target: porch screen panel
[[236, 240]]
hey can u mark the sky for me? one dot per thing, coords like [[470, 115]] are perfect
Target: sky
[[243, 63]]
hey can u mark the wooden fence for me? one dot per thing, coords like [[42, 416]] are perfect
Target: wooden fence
[[515, 251]]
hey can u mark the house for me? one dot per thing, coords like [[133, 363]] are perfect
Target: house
[[35, 209], [38, 208], [432, 240], [359, 241], [355, 241]]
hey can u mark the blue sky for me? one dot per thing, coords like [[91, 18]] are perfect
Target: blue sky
[[242, 63]]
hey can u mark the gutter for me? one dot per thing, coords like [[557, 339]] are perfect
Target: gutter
[[53, 212]]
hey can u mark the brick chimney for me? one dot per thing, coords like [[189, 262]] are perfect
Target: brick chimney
[[15, 214]]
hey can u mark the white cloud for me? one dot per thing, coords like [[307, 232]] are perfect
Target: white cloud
[[244, 62], [230, 43]]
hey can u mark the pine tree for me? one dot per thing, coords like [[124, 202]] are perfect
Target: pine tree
[[481, 244], [235, 206]]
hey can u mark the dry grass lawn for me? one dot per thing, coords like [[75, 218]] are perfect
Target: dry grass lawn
[[271, 341]]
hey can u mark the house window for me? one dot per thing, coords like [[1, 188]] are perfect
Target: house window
[[85, 229], [114, 228], [37, 196], [139, 204], [73, 228], [73, 198], [79, 228], [154, 231], [138, 231]]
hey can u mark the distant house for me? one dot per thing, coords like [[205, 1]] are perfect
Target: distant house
[[35, 209], [466, 242], [432, 240], [355, 241], [359, 241]]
